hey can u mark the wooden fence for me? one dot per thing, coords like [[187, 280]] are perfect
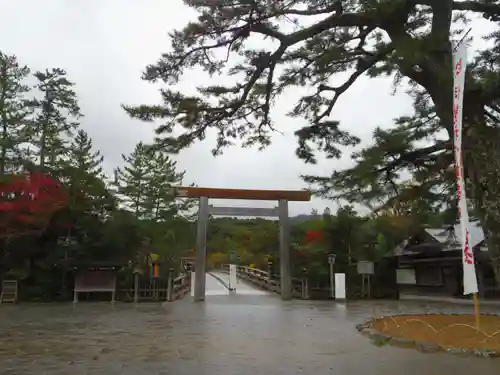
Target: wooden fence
[[153, 290]]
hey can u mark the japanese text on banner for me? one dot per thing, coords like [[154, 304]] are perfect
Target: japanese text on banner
[[459, 67]]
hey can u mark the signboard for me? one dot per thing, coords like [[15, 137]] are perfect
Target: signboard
[[95, 281], [365, 267]]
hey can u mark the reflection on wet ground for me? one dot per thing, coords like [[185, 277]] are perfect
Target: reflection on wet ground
[[227, 335], [214, 288]]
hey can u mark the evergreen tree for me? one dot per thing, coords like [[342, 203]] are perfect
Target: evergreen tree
[[13, 112], [83, 166], [146, 183], [132, 181], [161, 195], [82, 156], [410, 40], [56, 116]]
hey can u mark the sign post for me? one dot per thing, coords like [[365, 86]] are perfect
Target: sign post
[[331, 262], [470, 280], [366, 269]]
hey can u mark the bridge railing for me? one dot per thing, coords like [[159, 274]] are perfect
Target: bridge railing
[[261, 279], [221, 280], [179, 286]]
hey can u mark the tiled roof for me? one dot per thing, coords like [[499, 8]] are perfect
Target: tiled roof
[[476, 234]]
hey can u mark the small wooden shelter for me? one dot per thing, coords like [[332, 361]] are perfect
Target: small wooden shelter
[[96, 277]]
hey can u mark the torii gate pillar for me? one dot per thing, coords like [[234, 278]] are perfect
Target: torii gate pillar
[[285, 264], [201, 250]]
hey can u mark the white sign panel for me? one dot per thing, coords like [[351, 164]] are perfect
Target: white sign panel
[[459, 68], [340, 291], [406, 276]]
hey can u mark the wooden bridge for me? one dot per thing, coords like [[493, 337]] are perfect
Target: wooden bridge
[[264, 280]]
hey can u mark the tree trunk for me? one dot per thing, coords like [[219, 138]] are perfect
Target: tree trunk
[[3, 152], [482, 161]]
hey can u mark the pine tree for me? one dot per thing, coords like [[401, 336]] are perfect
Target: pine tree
[[161, 195], [83, 158], [132, 180], [413, 41], [146, 183], [83, 166], [13, 112], [56, 116]]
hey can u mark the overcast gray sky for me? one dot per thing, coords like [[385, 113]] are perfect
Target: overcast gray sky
[[105, 44]]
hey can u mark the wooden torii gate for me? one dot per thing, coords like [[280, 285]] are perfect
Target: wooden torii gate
[[282, 196]]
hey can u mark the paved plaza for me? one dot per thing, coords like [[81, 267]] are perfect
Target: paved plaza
[[244, 334]]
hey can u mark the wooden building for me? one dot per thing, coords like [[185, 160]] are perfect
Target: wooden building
[[429, 263]]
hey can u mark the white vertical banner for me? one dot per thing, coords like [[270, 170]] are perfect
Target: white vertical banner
[[459, 68]]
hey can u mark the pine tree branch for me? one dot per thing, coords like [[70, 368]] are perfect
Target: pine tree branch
[[415, 155], [490, 10]]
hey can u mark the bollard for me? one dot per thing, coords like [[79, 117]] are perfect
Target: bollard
[[136, 287], [170, 284], [305, 286], [270, 270]]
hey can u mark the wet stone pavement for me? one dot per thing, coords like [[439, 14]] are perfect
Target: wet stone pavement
[[242, 334]]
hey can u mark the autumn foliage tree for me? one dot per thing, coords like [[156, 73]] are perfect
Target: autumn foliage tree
[[28, 202]]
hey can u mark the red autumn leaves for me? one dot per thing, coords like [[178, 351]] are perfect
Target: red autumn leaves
[[28, 201], [311, 238]]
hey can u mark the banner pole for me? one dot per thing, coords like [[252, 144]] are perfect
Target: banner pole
[[476, 310]]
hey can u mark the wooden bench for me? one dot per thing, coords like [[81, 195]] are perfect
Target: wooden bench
[[9, 291]]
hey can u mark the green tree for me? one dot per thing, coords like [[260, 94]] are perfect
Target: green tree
[[253, 241], [83, 157], [161, 200], [147, 180], [13, 112], [408, 39], [85, 177], [381, 247], [56, 116], [344, 235], [132, 180]]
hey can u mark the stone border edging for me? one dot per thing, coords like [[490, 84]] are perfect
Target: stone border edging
[[366, 329]]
